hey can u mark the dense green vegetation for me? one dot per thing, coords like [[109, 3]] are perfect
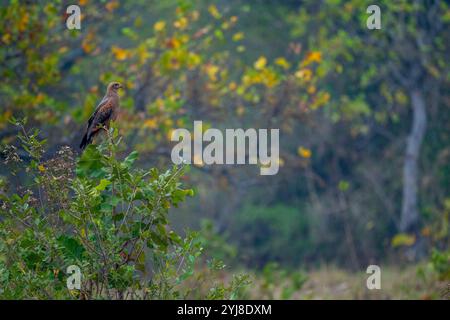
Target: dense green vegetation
[[109, 220], [364, 145]]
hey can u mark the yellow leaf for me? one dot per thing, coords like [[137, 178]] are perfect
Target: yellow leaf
[[214, 11], [39, 98], [41, 168], [173, 43], [112, 5], [193, 60], [168, 122], [86, 47], [282, 62], [311, 89], [304, 152], [159, 26], [313, 56], [6, 38], [151, 123], [88, 43], [143, 54], [240, 110], [211, 71], [195, 15], [181, 23], [260, 63], [403, 239], [238, 36], [304, 74], [24, 22], [401, 98], [63, 49], [119, 53]]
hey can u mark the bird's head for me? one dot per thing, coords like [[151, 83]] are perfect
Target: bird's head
[[114, 87]]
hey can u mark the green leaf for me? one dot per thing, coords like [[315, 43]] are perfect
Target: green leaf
[[103, 184], [403, 239], [91, 163], [128, 162], [72, 248]]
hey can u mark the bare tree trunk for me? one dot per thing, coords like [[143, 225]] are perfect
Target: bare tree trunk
[[410, 214]]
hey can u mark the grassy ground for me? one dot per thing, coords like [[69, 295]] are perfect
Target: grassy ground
[[333, 283]]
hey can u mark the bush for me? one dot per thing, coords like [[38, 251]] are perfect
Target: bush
[[107, 218], [287, 283]]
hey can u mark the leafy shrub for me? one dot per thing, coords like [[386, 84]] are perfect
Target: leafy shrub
[[106, 217], [440, 261], [287, 283], [215, 244]]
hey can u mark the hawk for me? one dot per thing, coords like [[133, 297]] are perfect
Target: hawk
[[106, 111]]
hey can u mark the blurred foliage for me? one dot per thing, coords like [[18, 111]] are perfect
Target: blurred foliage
[[275, 279], [215, 244], [268, 234]]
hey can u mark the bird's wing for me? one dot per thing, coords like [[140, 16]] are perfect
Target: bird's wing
[[104, 112], [102, 103], [101, 116]]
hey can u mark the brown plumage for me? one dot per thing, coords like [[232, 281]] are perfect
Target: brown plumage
[[106, 111]]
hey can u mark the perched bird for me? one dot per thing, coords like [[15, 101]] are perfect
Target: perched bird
[[106, 111]]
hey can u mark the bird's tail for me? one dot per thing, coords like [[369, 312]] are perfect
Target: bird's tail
[[87, 139]]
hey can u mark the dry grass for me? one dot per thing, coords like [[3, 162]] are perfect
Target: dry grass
[[333, 283]]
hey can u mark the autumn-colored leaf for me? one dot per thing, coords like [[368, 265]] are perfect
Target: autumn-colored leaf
[[311, 89], [282, 62], [238, 36], [240, 110], [211, 70], [88, 43], [23, 23], [6, 38], [304, 152], [173, 43], [119, 53], [313, 56], [159, 26], [181, 23], [403, 239], [195, 15], [214, 11], [151, 123], [260, 63], [304, 74], [112, 5]]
